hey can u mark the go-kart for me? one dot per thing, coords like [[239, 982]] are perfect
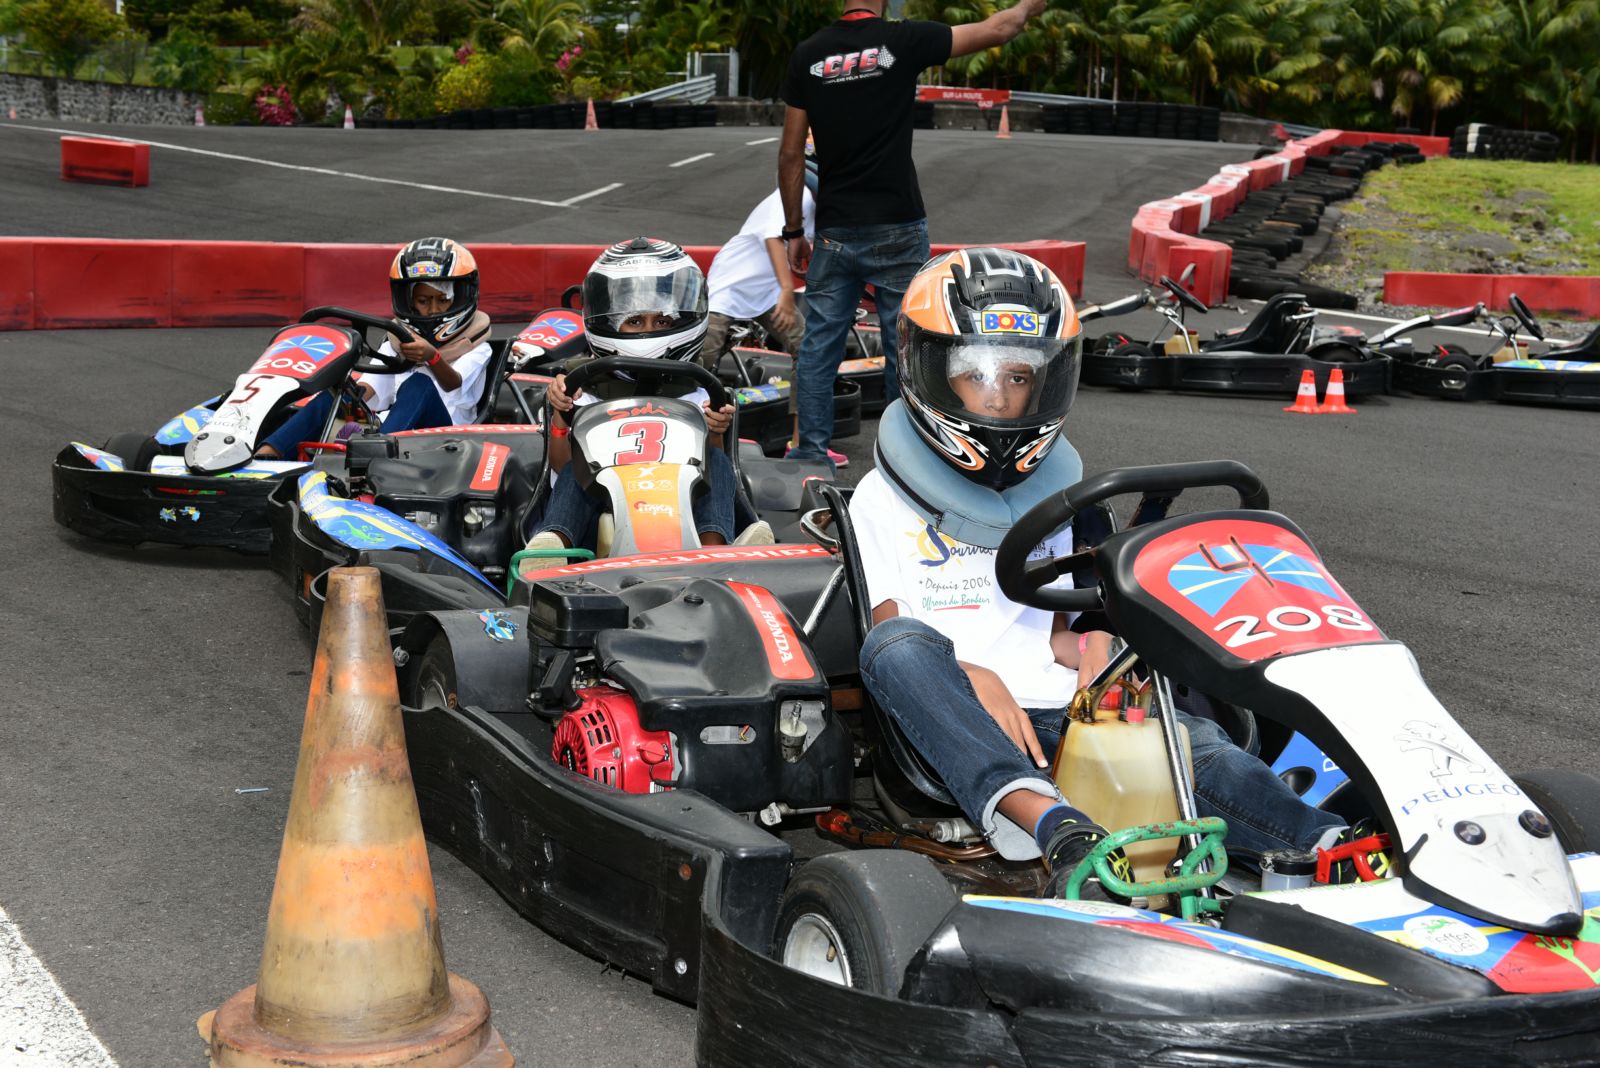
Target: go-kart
[[859, 385], [1567, 375], [443, 513], [677, 771], [195, 481], [1266, 355]]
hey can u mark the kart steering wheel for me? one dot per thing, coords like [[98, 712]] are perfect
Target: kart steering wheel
[[637, 368], [1024, 582], [371, 361], [1529, 323], [568, 294], [1183, 296]]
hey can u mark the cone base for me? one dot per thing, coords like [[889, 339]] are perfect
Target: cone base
[[1329, 409], [463, 1038]]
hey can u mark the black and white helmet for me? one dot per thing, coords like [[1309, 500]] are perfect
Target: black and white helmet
[[645, 298]]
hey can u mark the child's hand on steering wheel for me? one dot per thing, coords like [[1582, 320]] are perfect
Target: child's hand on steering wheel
[[719, 420], [557, 395]]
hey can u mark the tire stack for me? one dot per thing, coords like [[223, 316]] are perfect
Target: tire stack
[[637, 115], [1481, 141], [1173, 122]]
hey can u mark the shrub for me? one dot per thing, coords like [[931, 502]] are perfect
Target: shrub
[[228, 109]]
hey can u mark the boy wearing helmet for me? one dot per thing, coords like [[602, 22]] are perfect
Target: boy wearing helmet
[[433, 290], [989, 361], [646, 299]]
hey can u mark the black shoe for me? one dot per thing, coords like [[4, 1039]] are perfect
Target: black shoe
[[1361, 845], [1070, 843]]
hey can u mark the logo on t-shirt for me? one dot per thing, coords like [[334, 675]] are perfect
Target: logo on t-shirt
[[935, 550], [853, 66]]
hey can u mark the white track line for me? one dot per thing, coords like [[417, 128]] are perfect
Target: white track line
[[40, 1027], [691, 159], [763, 141], [315, 170], [591, 193]]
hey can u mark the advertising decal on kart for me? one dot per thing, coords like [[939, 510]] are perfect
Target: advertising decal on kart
[[686, 558], [1256, 589], [1549, 365], [498, 625], [641, 434], [491, 467], [172, 515], [1516, 961], [652, 493], [786, 655], [479, 428], [180, 428], [173, 466], [359, 525], [1302, 752], [865, 363], [104, 461], [1155, 925], [552, 328], [300, 351]]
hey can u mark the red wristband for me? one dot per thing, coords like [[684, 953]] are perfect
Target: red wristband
[[435, 360], [558, 431], [1083, 645]]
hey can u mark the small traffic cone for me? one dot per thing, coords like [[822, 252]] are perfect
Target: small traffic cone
[[199, 115], [1333, 402], [589, 121], [1005, 123], [349, 118], [13, 114], [352, 973], [1305, 398]]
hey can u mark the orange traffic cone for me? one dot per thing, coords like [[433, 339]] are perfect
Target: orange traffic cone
[[349, 118], [589, 121], [1305, 398], [199, 116], [1005, 122], [1333, 402], [352, 973], [13, 114]]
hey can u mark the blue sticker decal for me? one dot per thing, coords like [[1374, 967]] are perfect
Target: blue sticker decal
[[102, 460], [188, 511], [1210, 577], [498, 625], [181, 429], [1302, 752], [360, 525]]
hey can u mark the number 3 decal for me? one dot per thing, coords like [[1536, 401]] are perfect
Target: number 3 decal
[[647, 447]]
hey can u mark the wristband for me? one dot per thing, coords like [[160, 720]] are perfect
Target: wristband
[[1083, 646], [435, 360], [790, 235], [559, 431]]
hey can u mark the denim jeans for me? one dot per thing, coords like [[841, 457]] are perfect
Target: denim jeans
[[844, 260], [575, 515], [911, 671], [417, 404]]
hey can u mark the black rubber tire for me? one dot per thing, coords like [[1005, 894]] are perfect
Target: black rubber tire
[[136, 450], [881, 906], [1572, 801], [1257, 288], [1467, 367], [1338, 352], [429, 680]]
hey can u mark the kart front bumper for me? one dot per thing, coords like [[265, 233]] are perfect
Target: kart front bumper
[[1225, 372]]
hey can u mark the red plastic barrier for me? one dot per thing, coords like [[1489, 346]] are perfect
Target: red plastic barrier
[[16, 284], [1568, 294], [1212, 261], [95, 159], [349, 276], [82, 282], [236, 283], [512, 281], [1428, 146]]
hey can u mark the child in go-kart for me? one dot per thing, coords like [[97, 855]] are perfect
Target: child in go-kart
[[643, 298], [433, 289], [977, 682]]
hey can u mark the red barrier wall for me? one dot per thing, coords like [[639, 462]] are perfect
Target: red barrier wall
[[77, 282], [1568, 294], [1428, 146]]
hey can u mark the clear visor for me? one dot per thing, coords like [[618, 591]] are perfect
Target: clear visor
[[645, 304], [999, 381]]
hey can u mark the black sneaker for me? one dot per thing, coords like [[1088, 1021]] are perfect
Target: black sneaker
[[1361, 854], [1070, 843]]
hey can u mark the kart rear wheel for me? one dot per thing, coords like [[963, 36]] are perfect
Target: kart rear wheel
[[856, 919], [1572, 801], [136, 450], [431, 678], [1461, 369]]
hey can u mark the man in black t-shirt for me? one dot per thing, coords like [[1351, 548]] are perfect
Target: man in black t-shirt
[[854, 84]]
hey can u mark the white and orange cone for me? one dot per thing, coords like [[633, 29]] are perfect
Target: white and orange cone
[[352, 973], [1305, 398], [199, 115], [1333, 403], [349, 118], [1005, 123], [589, 121]]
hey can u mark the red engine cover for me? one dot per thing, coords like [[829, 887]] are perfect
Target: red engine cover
[[601, 739]]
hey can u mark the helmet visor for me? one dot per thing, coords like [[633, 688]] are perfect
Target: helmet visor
[[1000, 381], [644, 305]]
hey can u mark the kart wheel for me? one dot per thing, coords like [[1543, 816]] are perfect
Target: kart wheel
[[1572, 801], [432, 677], [1461, 369], [136, 450], [1135, 350], [1338, 352], [856, 919]]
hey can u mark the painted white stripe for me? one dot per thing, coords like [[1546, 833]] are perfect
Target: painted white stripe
[[762, 141], [40, 1027], [591, 193], [691, 159], [308, 170]]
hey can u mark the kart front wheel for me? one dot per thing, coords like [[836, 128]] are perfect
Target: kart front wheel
[[1459, 372], [1572, 801], [856, 919], [136, 450]]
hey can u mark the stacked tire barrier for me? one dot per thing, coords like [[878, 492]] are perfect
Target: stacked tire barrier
[[609, 114], [1481, 141], [1173, 122]]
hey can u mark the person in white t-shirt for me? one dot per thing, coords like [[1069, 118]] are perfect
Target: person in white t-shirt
[[750, 279], [988, 361]]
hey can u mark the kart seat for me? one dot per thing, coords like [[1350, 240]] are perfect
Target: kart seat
[[1587, 350], [1279, 327], [499, 354]]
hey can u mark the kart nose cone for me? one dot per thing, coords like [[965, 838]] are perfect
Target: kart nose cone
[[212, 452]]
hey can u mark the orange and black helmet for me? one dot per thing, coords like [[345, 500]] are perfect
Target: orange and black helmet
[[445, 265], [989, 354]]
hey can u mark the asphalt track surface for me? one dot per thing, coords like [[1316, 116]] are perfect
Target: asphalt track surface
[[148, 685]]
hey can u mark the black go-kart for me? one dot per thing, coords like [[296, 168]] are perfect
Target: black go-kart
[[1266, 355], [1565, 375], [671, 764], [443, 513]]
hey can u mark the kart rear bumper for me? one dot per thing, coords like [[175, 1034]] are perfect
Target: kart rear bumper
[[1230, 372], [1570, 389]]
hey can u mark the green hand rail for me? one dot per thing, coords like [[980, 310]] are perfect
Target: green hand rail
[[540, 554], [1189, 880]]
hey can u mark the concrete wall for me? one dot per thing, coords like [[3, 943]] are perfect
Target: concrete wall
[[36, 97]]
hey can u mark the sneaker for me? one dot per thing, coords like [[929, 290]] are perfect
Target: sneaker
[[839, 459], [1069, 845], [1359, 853], [757, 533], [546, 540]]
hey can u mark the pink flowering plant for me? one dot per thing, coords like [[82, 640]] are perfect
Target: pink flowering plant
[[274, 106], [464, 53]]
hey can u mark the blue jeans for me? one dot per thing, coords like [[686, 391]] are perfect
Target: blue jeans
[[416, 404], [844, 261], [911, 671], [575, 515]]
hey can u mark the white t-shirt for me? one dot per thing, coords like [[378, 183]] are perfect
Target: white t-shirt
[[951, 587], [462, 402], [741, 284]]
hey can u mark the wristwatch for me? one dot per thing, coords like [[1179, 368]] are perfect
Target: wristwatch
[[790, 235]]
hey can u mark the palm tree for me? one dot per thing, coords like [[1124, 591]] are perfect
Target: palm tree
[[539, 26]]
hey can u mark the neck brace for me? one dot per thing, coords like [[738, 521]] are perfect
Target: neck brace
[[954, 504]]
